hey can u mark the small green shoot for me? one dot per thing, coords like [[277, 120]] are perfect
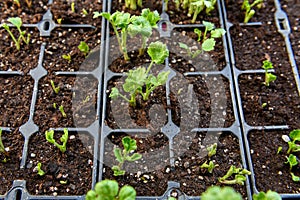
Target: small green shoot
[[64, 138], [59, 20], [239, 177], [39, 169], [212, 150], [269, 77], [73, 7], [17, 2], [294, 136], [263, 105], [29, 3], [61, 109], [67, 57], [63, 182], [195, 7], [109, 190], [55, 89], [2, 148], [122, 156], [54, 105], [210, 167], [249, 12], [132, 4], [192, 54], [294, 177], [279, 150], [221, 193], [270, 195], [17, 22], [84, 11], [292, 161], [84, 48]]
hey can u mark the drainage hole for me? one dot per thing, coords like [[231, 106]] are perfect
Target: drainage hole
[[18, 194], [46, 26], [164, 26], [282, 24]]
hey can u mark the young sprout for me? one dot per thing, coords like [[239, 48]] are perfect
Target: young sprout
[[29, 3], [263, 105], [192, 54], [55, 89], [292, 161], [64, 138], [109, 190], [63, 182], [295, 136], [195, 7], [73, 7], [2, 148], [210, 167], [84, 11], [84, 48], [279, 150], [140, 78], [67, 57], [17, 22], [61, 109], [59, 20], [239, 176], [294, 177], [218, 193], [212, 150], [270, 195], [39, 170], [269, 77], [122, 156], [132, 4], [54, 105], [249, 12]]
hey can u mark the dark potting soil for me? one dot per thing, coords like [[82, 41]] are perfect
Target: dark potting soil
[[194, 180], [235, 15], [146, 174], [181, 16], [271, 172], [63, 10], [77, 95], [292, 9], [74, 166], [29, 15]]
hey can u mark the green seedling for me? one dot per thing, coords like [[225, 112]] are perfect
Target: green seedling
[[63, 182], [29, 3], [118, 20], [59, 20], [54, 105], [221, 193], [143, 25], [279, 150], [2, 148], [192, 54], [84, 48], [270, 195], [64, 138], [129, 145], [55, 89], [269, 77], [210, 167], [67, 57], [139, 81], [39, 170], [292, 161], [195, 7], [73, 7], [212, 150], [61, 109], [109, 190], [249, 11], [239, 176], [17, 22], [294, 177], [294, 136], [84, 11], [263, 105], [132, 4]]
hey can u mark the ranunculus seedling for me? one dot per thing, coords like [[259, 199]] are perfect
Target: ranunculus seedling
[[210, 166], [55, 89], [109, 190], [39, 169], [132, 4], [221, 193], [212, 150], [292, 161], [2, 148], [140, 78], [17, 22], [84, 48], [249, 12], [294, 136], [67, 57], [239, 176], [270, 195], [129, 145], [64, 138], [294, 177], [61, 109], [269, 77], [195, 7]]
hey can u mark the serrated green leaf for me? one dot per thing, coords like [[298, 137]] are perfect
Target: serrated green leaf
[[91, 195], [267, 65], [295, 135], [118, 155], [208, 25], [49, 136], [117, 171], [134, 157], [152, 17], [139, 25], [114, 93], [218, 193], [16, 21], [270, 195], [158, 52], [107, 189], [162, 77], [209, 44], [127, 193], [129, 144], [217, 33]]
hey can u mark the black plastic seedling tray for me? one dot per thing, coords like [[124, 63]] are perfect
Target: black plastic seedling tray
[[101, 132]]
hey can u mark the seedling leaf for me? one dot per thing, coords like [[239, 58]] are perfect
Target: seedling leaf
[[208, 45], [158, 52]]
